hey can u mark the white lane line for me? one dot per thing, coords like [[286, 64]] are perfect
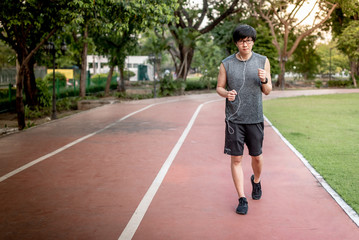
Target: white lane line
[[142, 208], [40, 159], [347, 209]]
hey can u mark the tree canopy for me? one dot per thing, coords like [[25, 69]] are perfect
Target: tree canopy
[[345, 30], [190, 25], [121, 23], [283, 19], [26, 26]]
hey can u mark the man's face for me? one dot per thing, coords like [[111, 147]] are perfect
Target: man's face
[[245, 45]]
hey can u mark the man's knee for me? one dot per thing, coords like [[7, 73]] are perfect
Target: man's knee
[[257, 158], [236, 160]]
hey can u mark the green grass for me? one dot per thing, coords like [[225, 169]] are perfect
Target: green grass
[[325, 130]]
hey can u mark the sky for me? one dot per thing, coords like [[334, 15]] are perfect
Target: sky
[[304, 10], [301, 14]]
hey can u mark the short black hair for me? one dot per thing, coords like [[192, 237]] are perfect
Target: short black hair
[[243, 31]]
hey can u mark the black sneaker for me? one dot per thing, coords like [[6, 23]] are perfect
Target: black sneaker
[[256, 189], [242, 206]]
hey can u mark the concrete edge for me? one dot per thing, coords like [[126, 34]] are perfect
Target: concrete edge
[[347, 209]]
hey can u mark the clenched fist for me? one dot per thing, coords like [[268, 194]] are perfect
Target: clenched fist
[[262, 74], [231, 95]]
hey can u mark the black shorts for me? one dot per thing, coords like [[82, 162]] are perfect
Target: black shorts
[[238, 134]]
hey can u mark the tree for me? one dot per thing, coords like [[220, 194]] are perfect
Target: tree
[[348, 42], [156, 42], [26, 26], [306, 60], [332, 60], [349, 7], [80, 35], [116, 47], [117, 35], [80, 43], [207, 58], [345, 29], [188, 28], [281, 17]]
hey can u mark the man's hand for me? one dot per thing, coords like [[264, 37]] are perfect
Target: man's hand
[[262, 74], [231, 95]]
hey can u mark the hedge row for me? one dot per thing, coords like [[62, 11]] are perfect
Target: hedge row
[[340, 83]]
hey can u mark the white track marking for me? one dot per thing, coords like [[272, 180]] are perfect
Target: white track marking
[[142, 208], [347, 209], [40, 159]]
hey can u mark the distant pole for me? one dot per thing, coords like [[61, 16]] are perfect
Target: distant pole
[[50, 47], [154, 78], [53, 81], [330, 64], [152, 59]]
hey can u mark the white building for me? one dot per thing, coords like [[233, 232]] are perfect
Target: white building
[[99, 64]]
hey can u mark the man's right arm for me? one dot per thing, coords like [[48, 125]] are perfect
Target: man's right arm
[[221, 85]]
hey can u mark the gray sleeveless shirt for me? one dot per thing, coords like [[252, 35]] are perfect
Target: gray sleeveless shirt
[[242, 76]]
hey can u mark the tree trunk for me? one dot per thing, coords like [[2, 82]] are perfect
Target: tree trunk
[[356, 73], [20, 110], [281, 79], [353, 72], [84, 64], [108, 82], [23, 58], [30, 85], [121, 86], [158, 69], [305, 76], [186, 56]]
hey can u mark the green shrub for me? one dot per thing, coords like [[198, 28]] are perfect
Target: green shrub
[[4, 93], [168, 87], [209, 77], [37, 112], [99, 79], [29, 124], [61, 79], [340, 83], [128, 74], [43, 93], [66, 104], [194, 85], [201, 84], [4, 99], [318, 83], [124, 95], [113, 85], [99, 75], [96, 88]]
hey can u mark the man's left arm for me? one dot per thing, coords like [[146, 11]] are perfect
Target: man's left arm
[[266, 80]]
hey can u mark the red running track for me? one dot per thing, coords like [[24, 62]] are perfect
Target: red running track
[[91, 189]]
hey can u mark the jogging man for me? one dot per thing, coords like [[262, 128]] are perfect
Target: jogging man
[[241, 80]]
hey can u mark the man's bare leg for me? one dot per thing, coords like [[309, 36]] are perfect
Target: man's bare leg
[[237, 174], [257, 164]]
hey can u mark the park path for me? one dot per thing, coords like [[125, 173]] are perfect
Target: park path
[[155, 169]]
